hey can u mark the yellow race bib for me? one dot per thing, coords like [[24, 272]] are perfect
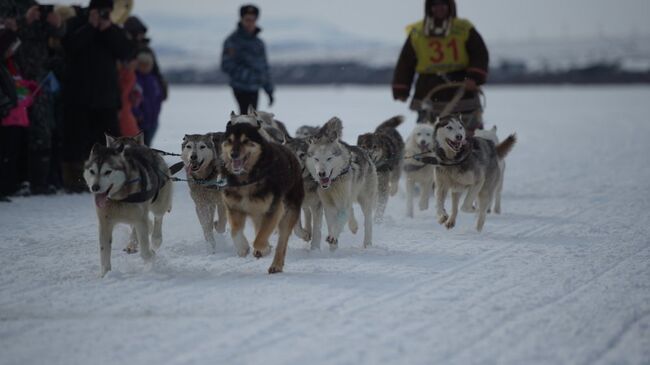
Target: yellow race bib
[[441, 54]]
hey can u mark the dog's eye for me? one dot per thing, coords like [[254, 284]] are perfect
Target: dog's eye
[[329, 159], [317, 160], [449, 127], [188, 147], [107, 172], [92, 172]]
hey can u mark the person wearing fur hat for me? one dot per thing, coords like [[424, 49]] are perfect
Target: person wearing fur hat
[[244, 60], [92, 99], [440, 49]]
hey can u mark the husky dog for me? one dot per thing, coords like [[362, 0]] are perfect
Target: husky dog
[[491, 135], [201, 158], [386, 148], [269, 127], [273, 126], [127, 184], [263, 182], [306, 131], [344, 174], [465, 164], [419, 144], [311, 205], [117, 142]]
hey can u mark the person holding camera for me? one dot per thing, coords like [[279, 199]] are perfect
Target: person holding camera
[[93, 45], [244, 60]]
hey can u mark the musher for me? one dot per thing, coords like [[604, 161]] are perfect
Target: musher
[[443, 50]]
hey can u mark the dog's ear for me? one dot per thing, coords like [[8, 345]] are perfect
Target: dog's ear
[[332, 130], [229, 123], [436, 123], [185, 138], [95, 148], [109, 139], [251, 110], [139, 138], [232, 114]]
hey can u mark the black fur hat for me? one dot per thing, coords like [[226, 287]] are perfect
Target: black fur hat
[[249, 9], [100, 4]]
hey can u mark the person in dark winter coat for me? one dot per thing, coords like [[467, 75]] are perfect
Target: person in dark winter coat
[[93, 45], [244, 60], [35, 27], [10, 136], [442, 48]]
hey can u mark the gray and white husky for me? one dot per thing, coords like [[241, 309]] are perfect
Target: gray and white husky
[[386, 149], [311, 204], [491, 135], [465, 164], [344, 174], [419, 144], [306, 131], [127, 184], [201, 158], [271, 129]]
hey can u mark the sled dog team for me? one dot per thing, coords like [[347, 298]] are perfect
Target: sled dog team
[[256, 170]]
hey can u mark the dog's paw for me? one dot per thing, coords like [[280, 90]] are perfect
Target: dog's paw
[[103, 270], [274, 269], [156, 242], [331, 240], [367, 244], [148, 255], [243, 251], [442, 218], [302, 234], [423, 205], [261, 252], [450, 223], [220, 226], [353, 225], [497, 210], [467, 208], [132, 247], [379, 220]]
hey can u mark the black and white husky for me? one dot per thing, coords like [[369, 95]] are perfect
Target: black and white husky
[[466, 164], [127, 184], [345, 174], [201, 158]]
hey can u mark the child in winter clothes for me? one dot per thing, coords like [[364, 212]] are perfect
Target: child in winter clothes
[[15, 97], [148, 110]]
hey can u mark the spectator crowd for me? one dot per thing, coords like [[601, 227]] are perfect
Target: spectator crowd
[[69, 74]]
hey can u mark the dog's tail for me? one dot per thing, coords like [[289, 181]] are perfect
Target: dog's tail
[[391, 123], [504, 147]]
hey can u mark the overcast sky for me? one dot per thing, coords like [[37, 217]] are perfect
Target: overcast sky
[[497, 20]]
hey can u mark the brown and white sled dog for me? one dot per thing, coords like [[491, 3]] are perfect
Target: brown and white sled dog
[[127, 184], [385, 147], [419, 144], [202, 161], [470, 164], [263, 182], [344, 174], [311, 205], [271, 129]]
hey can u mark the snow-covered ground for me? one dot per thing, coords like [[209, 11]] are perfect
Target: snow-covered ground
[[561, 277]]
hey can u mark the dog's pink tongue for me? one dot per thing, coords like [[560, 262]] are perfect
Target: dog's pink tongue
[[100, 200], [237, 164]]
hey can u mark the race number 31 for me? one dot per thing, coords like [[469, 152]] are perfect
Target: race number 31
[[439, 49]]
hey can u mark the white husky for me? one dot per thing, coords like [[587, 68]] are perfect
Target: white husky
[[344, 174], [420, 143]]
